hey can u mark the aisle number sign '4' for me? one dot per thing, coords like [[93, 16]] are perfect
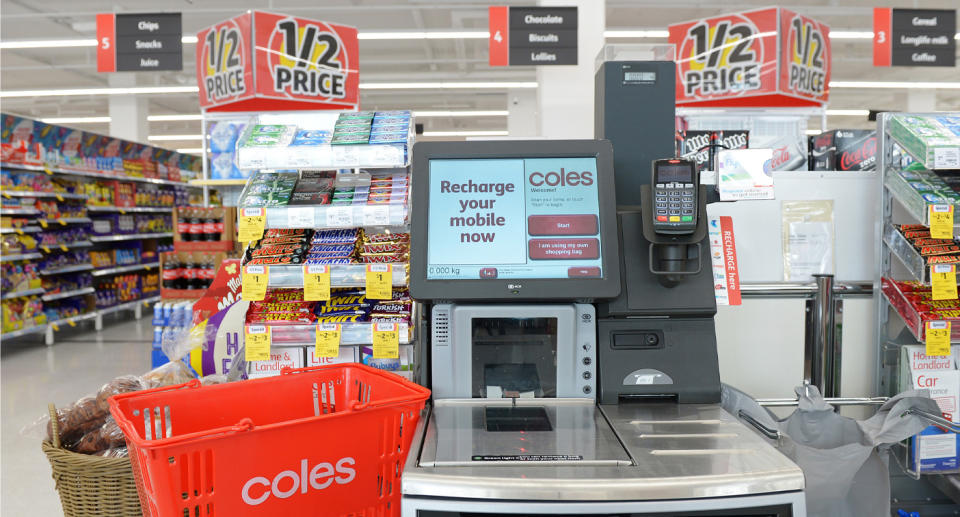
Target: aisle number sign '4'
[[266, 61]]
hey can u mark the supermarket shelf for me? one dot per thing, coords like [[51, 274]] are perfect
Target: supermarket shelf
[[124, 269], [24, 332], [91, 174], [63, 221], [68, 269], [22, 229], [327, 156], [128, 305], [218, 183], [911, 318], [30, 193], [68, 294], [913, 201], [150, 209], [359, 333], [336, 216], [25, 292], [133, 236], [71, 246], [907, 255], [914, 144], [19, 211], [20, 256], [341, 275], [75, 319]]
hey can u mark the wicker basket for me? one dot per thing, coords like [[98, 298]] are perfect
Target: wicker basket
[[91, 486]]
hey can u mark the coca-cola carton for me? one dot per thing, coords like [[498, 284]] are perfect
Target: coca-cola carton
[[844, 150]]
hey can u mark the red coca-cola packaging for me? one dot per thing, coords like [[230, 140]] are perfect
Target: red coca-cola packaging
[[844, 150]]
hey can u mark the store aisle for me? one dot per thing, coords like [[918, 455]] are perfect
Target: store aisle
[[32, 376]]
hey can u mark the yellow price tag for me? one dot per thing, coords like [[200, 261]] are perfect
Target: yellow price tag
[[316, 282], [328, 340], [45, 249], [55, 327], [6, 195], [48, 171], [72, 323], [43, 222], [19, 231], [937, 338], [59, 198], [148, 268], [943, 281], [122, 211], [386, 341], [379, 282], [254, 283], [257, 343], [252, 223], [941, 221], [63, 247], [62, 222]]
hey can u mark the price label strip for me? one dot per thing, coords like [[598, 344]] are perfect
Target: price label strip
[[941, 221], [257, 343], [379, 282], [254, 282], [376, 216], [340, 216], [252, 223], [316, 282], [386, 341], [943, 281], [300, 217], [328, 340], [937, 335]]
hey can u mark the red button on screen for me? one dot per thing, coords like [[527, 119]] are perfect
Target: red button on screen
[[488, 272], [564, 249], [578, 272], [577, 224]]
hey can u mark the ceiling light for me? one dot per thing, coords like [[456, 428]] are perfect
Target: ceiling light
[[848, 113], [491, 113], [76, 120], [173, 118], [100, 91], [895, 84], [48, 43], [466, 133], [636, 34], [190, 150], [189, 40], [170, 138], [851, 34], [424, 35], [448, 85], [811, 132]]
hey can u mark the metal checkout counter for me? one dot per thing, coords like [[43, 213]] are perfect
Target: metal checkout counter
[[572, 347]]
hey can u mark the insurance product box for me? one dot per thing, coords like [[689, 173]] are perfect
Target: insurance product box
[[934, 449], [280, 357]]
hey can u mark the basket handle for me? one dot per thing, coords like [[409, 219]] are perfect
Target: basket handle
[[54, 425]]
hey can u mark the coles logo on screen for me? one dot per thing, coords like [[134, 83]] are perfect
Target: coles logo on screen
[[561, 178]]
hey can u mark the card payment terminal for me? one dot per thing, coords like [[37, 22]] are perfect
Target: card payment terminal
[[675, 188]]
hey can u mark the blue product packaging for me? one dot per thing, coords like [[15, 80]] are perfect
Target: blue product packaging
[[388, 138], [311, 137], [224, 135]]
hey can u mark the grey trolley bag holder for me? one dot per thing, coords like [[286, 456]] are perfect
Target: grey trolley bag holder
[[844, 471]]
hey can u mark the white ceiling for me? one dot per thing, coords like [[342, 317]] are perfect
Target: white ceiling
[[409, 60]]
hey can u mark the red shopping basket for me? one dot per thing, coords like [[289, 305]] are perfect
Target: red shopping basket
[[329, 440]]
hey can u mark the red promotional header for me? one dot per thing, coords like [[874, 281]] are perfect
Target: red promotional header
[[764, 58], [266, 61]]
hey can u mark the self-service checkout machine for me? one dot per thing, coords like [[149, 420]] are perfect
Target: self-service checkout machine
[[572, 351]]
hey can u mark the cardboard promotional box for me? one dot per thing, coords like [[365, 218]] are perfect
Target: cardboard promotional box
[[280, 357]]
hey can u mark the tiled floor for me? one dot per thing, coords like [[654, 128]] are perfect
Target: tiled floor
[[33, 375]]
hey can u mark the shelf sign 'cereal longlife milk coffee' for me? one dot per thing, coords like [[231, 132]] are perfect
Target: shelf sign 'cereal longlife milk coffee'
[[262, 61], [764, 58]]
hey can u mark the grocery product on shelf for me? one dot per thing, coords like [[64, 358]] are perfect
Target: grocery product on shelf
[[186, 274], [843, 150], [18, 276], [22, 313], [933, 140]]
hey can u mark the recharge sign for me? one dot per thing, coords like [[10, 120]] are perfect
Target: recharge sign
[[764, 58], [306, 60], [264, 61]]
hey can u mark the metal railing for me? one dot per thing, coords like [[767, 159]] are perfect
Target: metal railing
[[823, 323]]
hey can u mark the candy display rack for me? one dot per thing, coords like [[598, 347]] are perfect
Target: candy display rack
[[285, 156], [912, 181]]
